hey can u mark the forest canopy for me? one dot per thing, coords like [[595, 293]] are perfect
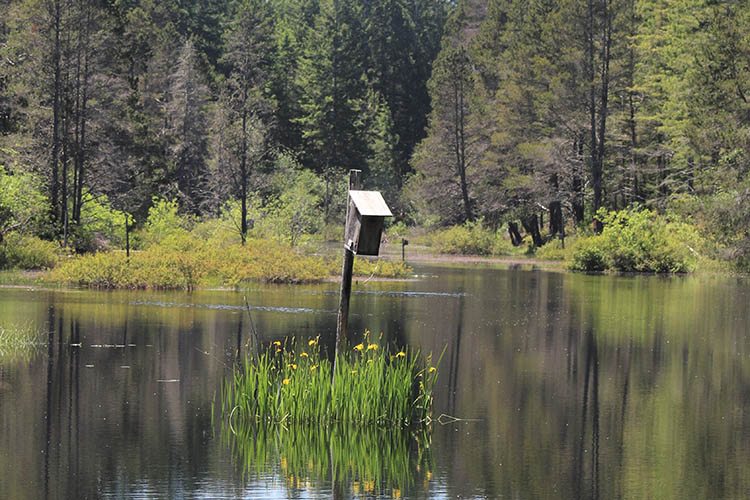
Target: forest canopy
[[458, 111]]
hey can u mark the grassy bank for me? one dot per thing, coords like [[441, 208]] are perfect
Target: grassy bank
[[187, 262]]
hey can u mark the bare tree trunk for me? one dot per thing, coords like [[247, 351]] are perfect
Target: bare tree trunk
[[531, 226], [54, 174], [515, 234]]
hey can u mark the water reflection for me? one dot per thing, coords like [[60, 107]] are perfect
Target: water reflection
[[350, 461], [572, 386]]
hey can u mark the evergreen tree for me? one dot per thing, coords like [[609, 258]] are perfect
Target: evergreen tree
[[186, 108]]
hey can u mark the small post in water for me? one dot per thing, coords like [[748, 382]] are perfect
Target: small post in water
[[346, 273]]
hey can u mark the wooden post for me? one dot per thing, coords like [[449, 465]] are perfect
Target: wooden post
[[404, 242], [346, 276], [127, 236]]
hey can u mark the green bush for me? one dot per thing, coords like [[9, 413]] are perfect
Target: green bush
[[588, 255], [27, 252], [101, 226], [553, 250], [469, 239], [639, 241], [163, 221]]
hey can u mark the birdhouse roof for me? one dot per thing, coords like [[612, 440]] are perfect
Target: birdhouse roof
[[370, 203]]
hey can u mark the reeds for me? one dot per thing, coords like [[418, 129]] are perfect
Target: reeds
[[20, 342], [288, 383]]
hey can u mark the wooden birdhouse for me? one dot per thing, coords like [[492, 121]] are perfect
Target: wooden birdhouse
[[364, 224]]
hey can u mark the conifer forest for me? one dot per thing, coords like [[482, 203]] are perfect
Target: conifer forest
[[526, 115]]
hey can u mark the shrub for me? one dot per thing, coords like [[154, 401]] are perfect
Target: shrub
[[183, 261], [163, 221], [553, 250], [468, 239], [27, 252], [640, 241], [587, 255], [101, 225]]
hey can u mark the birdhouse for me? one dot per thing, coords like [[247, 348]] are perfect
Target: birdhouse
[[364, 224]]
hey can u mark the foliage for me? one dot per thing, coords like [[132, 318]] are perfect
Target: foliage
[[163, 222], [21, 202], [184, 261], [101, 226], [640, 241], [291, 385], [472, 238], [296, 210], [553, 250], [28, 252]]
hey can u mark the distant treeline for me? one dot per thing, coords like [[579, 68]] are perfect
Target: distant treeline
[[499, 110]]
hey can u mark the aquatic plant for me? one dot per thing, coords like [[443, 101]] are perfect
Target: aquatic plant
[[20, 342], [367, 385]]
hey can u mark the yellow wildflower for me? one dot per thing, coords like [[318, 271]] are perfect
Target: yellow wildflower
[[400, 354], [278, 351], [369, 361], [303, 355], [373, 347], [432, 369], [292, 366], [359, 347], [354, 371], [285, 381], [313, 341], [277, 343], [313, 368]]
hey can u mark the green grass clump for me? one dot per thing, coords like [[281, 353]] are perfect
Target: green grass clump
[[20, 342], [21, 251], [372, 387], [638, 241]]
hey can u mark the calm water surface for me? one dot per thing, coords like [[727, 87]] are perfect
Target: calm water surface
[[569, 386]]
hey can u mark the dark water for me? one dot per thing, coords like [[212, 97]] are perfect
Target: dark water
[[571, 386]]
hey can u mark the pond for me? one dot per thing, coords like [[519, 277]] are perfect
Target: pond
[[566, 386]]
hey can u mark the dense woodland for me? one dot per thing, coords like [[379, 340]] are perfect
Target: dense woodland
[[500, 111]]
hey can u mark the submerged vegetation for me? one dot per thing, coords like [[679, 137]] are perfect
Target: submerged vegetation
[[366, 386]]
